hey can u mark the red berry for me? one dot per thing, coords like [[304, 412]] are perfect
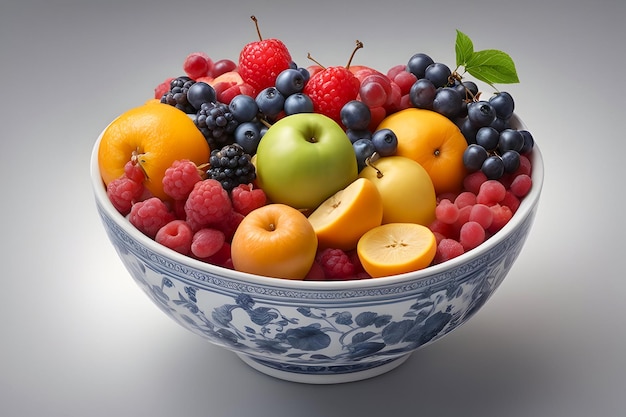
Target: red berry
[[162, 88], [446, 211], [490, 192], [466, 198], [261, 61], [179, 179], [501, 216], [221, 257], [150, 215], [197, 65], [134, 171], [331, 89], [511, 201], [229, 224], [447, 249], [471, 235], [176, 235], [123, 192], [521, 185], [336, 264], [245, 198], [316, 273], [481, 214], [473, 181], [208, 203], [222, 67], [207, 242]]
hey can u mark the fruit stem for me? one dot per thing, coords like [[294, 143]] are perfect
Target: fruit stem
[[370, 163], [359, 45], [308, 55], [256, 23]]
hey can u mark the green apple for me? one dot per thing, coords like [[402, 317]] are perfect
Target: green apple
[[406, 189], [303, 159]]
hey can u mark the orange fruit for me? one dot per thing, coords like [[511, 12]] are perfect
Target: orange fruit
[[396, 248], [275, 240], [406, 189], [343, 218], [155, 135], [434, 141]]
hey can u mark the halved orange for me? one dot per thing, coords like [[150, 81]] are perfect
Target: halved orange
[[396, 248]]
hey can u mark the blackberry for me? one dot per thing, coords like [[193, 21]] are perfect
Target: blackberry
[[231, 166], [177, 94], [217, 123]]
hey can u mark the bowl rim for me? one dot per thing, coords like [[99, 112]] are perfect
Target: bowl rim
[[527, 205]]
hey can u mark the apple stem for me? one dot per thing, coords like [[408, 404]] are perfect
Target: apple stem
[[370, 163], [359, 45], [256, 23]]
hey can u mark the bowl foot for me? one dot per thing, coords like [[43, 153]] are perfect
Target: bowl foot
[[314, 374]]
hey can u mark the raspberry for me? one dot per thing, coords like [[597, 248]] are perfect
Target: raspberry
[[466, 198], [331, 89], [245, 198], [440, 228], [316, 273], [490, 192], [471, 235], [336, 264], [511, 201], [179, 179], [150, 215], [260, 62], [501, 216], [481, 214], [176, 235], [221, 257], [206, 242], [447, 249], [229, 224], [123, 192], [197, 65], [473, 181], [208, 203], [134, 171], [446, 211], [521, 185]]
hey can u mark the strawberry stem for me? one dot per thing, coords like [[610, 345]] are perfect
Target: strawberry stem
[[256, 23], [359, 45]]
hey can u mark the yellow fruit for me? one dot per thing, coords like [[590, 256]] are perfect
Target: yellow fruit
[[275, 240], [406, 189], [343, 218], [155, 135], [434, 141], [396, 248]]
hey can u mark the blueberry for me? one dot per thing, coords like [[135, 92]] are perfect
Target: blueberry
[[248, 135], [481, 113], [418, 63], [511, 140], [488, 137], [438, 73], [243, 108], [363, 148], [355, 115], [270, 101], [298, 103], [493, 167], [200, 92], [355, 135], [474, 156], [385, 141], [503, 103], [448, 102], [422, 94], [289, 81]]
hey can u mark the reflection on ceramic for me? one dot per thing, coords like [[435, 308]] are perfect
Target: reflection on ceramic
[[319, 332]]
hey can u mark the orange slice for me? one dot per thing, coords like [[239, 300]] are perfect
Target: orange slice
[[396, 248]]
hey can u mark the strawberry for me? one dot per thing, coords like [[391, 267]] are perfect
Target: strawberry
[[331, 88], [261, 61]]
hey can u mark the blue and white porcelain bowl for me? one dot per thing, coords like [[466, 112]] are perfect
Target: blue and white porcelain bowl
[[319, 332]]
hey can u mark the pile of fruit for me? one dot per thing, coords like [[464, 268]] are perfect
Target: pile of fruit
[[321, 173]]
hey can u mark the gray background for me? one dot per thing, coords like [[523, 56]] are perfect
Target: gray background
[[78, 337]]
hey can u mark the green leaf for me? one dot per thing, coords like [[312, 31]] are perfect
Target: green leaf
[[492, 66], [464, 48]]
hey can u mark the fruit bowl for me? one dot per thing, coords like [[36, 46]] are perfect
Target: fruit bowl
[[313, 331]]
